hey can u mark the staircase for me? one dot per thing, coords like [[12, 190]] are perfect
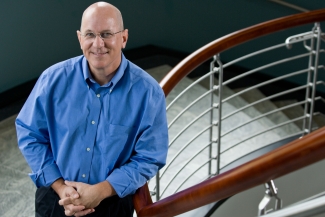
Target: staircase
[[213, 127], [178, 168]]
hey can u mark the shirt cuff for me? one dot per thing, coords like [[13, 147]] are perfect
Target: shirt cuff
[[46, 176], [120, 182]]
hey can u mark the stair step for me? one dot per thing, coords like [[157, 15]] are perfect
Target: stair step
[[267, 106], [298, 111]]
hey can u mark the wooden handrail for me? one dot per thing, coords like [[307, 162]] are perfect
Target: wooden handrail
[[281, 161], [206, 52], [142, 198], [286, 159]]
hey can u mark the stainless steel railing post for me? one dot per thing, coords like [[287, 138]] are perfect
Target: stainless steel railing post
[[211, 114], [220, 69], [314, 83], [157, 187]]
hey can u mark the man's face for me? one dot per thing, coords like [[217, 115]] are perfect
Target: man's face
[[102, 55]]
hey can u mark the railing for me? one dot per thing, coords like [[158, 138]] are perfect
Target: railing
[[218, 97], [281, 161], [206, 52]]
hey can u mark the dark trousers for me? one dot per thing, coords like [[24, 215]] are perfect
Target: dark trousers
[[47, 205]]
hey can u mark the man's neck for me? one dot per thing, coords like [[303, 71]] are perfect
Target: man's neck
[[102, 76]]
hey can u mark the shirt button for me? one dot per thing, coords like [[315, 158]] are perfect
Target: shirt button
[[88, 149], [83, 175], [98, 95], [93, 122], [110, 90]]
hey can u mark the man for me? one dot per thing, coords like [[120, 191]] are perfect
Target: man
[[93, 129]]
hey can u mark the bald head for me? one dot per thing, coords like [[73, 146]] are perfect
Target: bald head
[[102, 38], [102, 9]]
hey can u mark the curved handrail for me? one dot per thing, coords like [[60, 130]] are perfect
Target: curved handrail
[[206, 52], [283, 160], [294, 156]]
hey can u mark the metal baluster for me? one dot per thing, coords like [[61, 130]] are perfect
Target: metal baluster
[[298, 38], [315, 70], [212, 68], [220, 70], [271, 191], [157, 187]]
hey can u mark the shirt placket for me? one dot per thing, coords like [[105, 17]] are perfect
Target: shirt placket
[[92, 126]]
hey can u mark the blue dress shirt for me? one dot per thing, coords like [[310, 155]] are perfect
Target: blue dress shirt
[[71, 127]]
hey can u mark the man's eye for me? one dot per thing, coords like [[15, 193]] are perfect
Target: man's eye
[[106, 35], [90, 35]]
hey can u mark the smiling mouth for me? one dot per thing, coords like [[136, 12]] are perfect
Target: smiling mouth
[[99, 54]]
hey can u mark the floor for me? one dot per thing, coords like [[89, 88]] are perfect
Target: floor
[[16, 188]]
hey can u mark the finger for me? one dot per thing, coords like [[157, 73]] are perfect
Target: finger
[[71, 192], [71, 183], [84, 212], [70, 210], [68, 201], [65, 201]]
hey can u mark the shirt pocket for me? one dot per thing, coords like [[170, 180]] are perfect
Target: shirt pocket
[[117, 136]]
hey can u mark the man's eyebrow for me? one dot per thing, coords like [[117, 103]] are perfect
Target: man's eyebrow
[[106, 30]]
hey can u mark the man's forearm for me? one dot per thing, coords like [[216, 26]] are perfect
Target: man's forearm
[[57, 186], [105, 189]]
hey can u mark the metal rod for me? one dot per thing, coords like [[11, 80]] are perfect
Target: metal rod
[[299, 38], [185, 146], [212, 68], [190, 124], [264, 115], [280, 139], [309, 76], [264, 67], [253, 54], [264, 131], [186, 163], [265, 99], [189, 106], [266, 82], [315, 76], [219, 110], [301, 209], [157, 186], [189, 87], [281, 2], [191, 175]]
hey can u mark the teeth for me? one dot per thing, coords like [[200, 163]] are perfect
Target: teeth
[[99, 53]]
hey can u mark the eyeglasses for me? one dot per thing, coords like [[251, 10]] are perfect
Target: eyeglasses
[[90, 36]]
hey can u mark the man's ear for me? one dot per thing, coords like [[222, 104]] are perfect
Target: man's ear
[[79, 38], [125, 36]]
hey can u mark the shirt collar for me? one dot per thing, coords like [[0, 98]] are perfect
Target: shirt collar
[[118, 75]]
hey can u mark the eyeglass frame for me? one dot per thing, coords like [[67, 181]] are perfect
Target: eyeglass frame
[[99, 34]]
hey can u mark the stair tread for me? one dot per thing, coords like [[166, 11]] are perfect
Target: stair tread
[[267, 106]]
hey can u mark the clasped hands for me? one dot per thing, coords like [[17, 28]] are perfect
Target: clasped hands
[[80, 199]]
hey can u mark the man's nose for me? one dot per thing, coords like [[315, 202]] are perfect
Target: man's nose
[[98, 41]]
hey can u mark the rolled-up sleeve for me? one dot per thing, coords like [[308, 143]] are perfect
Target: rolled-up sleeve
[[33, 138]]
